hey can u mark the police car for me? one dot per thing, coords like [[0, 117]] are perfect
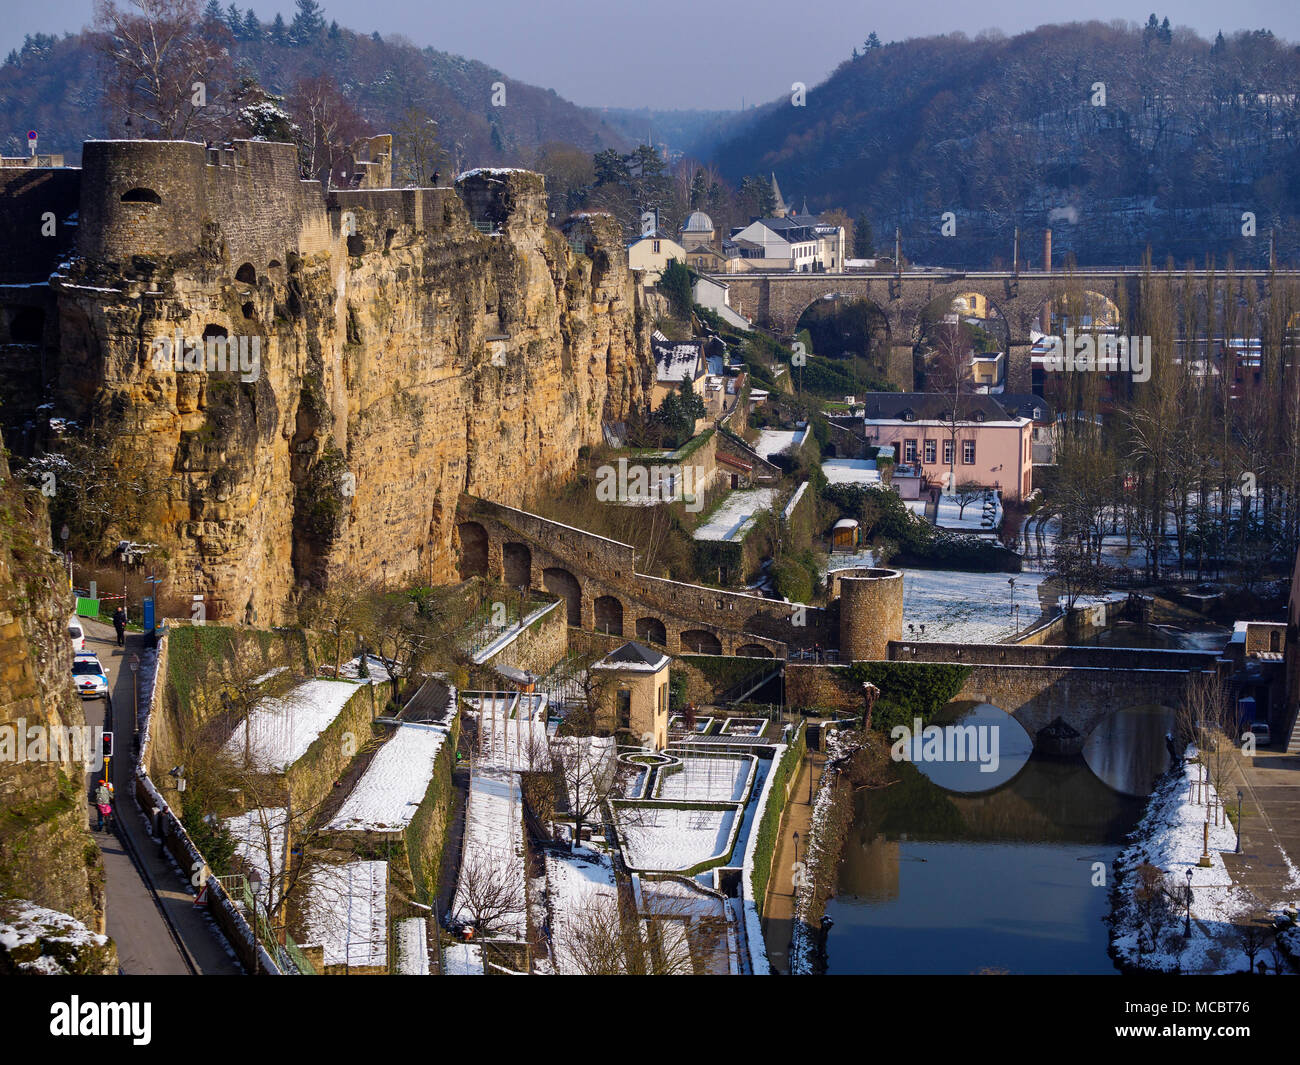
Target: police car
[[88, 676]]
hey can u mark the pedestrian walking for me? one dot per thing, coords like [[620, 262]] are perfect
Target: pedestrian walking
[[103, 806], [119, 623], [435, 179]]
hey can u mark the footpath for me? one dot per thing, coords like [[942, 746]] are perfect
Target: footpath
[[778, 909]]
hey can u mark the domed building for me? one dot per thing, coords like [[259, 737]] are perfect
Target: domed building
[[697, 230]]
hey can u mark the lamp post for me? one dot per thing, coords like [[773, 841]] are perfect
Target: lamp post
[[1187, 923], [1238, 820], [135, 692], [796, 848], [1012, 581]]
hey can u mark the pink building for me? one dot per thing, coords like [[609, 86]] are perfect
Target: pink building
[[991, 446]]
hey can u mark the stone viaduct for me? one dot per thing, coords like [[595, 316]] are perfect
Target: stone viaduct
[[1061, 694], [776, 300], [597, 579]]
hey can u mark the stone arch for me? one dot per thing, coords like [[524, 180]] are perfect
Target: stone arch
[[141, 195], [473, 549], [652, 630], [701, 641], [517, 564], [1098, 311], [246, 274], [754, 650], [27, 326], [562, 583], [608, 612], [877, 323]]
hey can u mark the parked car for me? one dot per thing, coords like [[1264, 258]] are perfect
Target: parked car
[[1260, 730], [77, 634], [88, 676]]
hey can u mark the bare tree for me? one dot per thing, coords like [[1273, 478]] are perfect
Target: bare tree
[[968, 492], [586, 766], [168, 67], [485, 892], [328, 122]]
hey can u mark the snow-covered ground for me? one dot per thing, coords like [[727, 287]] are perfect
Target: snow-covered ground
[[729, 521], [278, 731], [345, 910], [773, 441], [259, 842], [1171, 838], [493, 846], [393, 785], [512, 729], [669, 839], [23, 925], [411, 940], [378, 672], [707, 778], [851, 471], [979, 515], [966, 607], [581, 896]]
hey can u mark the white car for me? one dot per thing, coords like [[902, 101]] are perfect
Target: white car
[[77, 634], [1260, 730], [88, 676]]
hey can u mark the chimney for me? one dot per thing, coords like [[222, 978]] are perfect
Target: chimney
[[1047, 251]]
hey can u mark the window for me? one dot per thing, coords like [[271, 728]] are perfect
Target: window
[[624, 708], [654, 246], [968, 452], [947, 452], [930, 451], [909, 451]]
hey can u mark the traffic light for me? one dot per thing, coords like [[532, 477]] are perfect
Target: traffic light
[[108, 745]]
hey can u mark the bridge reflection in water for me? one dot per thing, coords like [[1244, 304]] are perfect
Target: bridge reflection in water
[[1015, 878]]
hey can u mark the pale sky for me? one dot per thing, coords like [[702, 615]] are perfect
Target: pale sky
[[668, 54]]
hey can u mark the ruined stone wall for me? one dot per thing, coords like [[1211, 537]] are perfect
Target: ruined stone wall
[[405, 358]]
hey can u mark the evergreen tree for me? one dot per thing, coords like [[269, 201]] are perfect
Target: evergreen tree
[[252, 28], [234, 22], [334, 33], [279, 31], [308, 24], [873, 42], [212, 12], [1166, 31], [864, 241], [1219, 44]]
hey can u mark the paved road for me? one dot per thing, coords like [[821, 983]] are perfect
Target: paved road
[[778, 909], [184, 941]]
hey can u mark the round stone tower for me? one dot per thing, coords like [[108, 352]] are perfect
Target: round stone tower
[[141, 198], [871, 611]]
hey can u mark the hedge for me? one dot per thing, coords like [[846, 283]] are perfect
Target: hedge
[[769, 825]]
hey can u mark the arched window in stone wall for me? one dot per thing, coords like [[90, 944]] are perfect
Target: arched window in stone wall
[[651, 630], [473, 550], [560, 582], [700, 641], [609, 615], [141, 195], [246, 274], [517, 562]]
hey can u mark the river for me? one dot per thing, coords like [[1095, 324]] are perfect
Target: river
[[954, 870]]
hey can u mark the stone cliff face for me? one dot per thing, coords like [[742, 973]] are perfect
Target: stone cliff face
[[46, 852], [414, 344]]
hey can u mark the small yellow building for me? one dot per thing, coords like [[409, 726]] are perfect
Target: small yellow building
[[652, 253], [636, 698]]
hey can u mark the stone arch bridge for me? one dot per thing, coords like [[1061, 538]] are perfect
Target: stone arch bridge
[[1060, 695], [597, 579], [777, 300]]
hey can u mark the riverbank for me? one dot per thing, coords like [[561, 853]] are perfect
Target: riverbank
[[853, 761], [1155, 926]]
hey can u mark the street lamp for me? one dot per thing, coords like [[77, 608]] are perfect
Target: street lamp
[[1187, 923], [1012, 581], [1238, 820], [796, 848]]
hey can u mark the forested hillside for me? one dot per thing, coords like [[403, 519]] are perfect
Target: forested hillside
[[60, 87], [1116, 135]]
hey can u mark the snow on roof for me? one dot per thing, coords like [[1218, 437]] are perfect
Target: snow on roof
[[633, 655], [278, 731], [345, 910], [391, 789], [676, 360], [772, 441]]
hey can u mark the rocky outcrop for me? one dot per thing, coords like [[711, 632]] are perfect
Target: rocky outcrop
[[46, 852], [414, 344]]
